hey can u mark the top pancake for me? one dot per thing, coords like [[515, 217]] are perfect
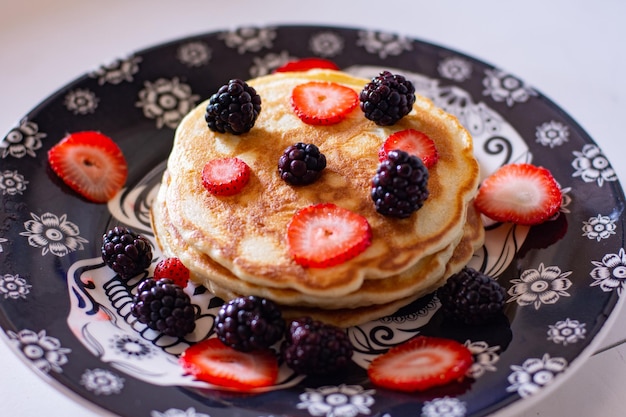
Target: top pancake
[[246, 233]]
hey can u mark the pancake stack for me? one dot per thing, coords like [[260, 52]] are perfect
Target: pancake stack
[[237, 245]]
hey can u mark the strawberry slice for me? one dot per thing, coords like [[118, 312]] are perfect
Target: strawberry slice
[[174, 269], [411, 141], [305, 64], [323, 235], [212, 361], [225, 176], [91, 164], [519, 193], [323, 103], [420, 363]]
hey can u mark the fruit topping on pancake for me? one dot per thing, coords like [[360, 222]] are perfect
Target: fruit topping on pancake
[[323, 103], [413, 142], [387, 98], [233, 108], [301, 164], [400, 185], [323, 235], [225, 176]]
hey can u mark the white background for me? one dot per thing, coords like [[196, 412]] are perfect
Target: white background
[[574, 52]]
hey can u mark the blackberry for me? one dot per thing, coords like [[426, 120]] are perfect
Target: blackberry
[[387, 98], [315, 348], [234, 108], [400, 185], [249, 323], [126, 252], [471, 297], [164, 307], [301, 164]]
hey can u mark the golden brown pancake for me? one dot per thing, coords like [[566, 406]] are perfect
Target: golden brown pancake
[[242, 237]]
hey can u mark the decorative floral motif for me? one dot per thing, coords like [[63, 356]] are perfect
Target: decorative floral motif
[[535, 374], [81, 101], [102, 382], [544, 285], [485, 358], [502, 86], [130, 346], [12, 183], [592, 166], [166, 101], [566, 331], [444, 407], [2, 240], [326, 44], [175, 412], [552, 134], [45, 352], [14, 286], [53, 234], [383, 43], [610, 273], [266, 64], [337, 401], [22, 140], [455, 68], [117, 71], [599, 227], [249, 39], [194, 54]]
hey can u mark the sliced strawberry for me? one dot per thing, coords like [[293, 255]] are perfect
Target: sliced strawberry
[[323, 103], [174, 269], [91, 164], [324, 235], [519, 193], [305, 64], [420, 363], [225, 176], [214, 362], [411, 141]]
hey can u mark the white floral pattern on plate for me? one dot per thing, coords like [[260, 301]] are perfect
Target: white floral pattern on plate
[[14, 286], [22, 140], [12, 183], [44, 351], [53, 234]]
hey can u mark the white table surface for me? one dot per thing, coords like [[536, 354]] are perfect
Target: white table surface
[[572, 51]]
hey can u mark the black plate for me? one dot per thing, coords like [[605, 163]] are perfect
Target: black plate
[[67, 315]]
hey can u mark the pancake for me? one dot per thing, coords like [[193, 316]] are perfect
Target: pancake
[[243, 236]]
